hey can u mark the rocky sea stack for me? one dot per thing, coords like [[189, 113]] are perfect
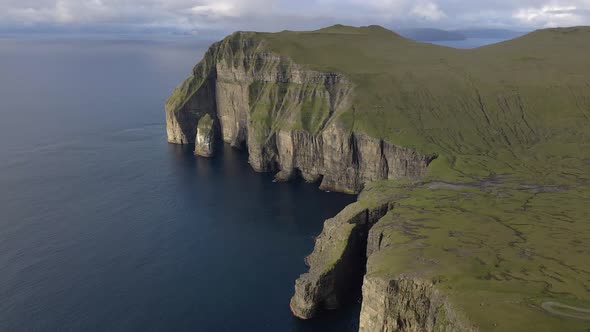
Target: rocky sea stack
[[473, 168], [205, 139]]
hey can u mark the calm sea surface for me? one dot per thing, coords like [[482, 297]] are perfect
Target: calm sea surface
[[469, 42], [106, 227]]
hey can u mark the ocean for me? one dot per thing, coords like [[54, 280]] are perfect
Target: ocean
[[469, 42], [104, 226]]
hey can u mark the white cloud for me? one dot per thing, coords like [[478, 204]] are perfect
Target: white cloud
[[188, 15], [428, 11], [552, 15], [232, 8], [380, 5], [220, 9]]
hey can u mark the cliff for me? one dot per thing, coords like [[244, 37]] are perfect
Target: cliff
[[337, 262], [286, 116], [407, 303], [472, 168]]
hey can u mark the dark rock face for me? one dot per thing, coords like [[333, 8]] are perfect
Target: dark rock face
[[337, 262]]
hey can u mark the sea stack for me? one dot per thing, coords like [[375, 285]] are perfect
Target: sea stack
[[205, 139]]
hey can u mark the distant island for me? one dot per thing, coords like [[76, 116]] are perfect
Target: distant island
[[434, 35], [429, 34], [472, 168]]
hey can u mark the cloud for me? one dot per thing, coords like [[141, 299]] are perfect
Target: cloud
[[428, 11], [221, 9], [272, 15], [552, 15], [218, 9]]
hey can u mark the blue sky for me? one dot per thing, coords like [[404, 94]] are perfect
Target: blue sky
[[198, 16]]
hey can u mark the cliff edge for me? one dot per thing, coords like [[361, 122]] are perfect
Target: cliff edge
[[472, 168], [286, 116]]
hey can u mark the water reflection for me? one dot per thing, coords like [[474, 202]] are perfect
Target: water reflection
[[107, 227]]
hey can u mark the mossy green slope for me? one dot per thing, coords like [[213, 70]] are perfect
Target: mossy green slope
[[499, 252], [511, 122], [521, 107], [501, 221], [504, 108]]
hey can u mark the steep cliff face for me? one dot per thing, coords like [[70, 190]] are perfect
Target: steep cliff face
[[397, 301], [406, 304], [337, 262], [181, 123], [327, 105], [286, 116]]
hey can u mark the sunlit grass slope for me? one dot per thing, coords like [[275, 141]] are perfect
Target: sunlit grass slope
[[520, 107], [502, 223]]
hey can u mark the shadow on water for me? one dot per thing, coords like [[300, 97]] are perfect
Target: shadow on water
[[297, 205], [106, 227]]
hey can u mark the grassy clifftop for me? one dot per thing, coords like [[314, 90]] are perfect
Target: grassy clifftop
[[501, 252], [520, 107], [497, 109], [500, 224]]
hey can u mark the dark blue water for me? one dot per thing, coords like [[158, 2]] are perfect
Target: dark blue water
[[106, 227], [469, 42]]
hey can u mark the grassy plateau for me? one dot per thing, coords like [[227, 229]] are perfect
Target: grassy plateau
[[501, 223]]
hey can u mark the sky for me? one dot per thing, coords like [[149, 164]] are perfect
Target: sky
[[201, 16]]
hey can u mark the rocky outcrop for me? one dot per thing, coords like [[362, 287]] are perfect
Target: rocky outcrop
[[286, 116], [337, 262], [205, 139], [407, 304], [348, 247]]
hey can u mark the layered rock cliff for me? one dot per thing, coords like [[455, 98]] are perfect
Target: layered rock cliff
[[286, 116], [350, 252], [407, 304], [328, 105]]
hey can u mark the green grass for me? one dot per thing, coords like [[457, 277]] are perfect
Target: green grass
[[275, 106], [498, 251], [498, 117], [181, 94], [478, 108], [510, 124]]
